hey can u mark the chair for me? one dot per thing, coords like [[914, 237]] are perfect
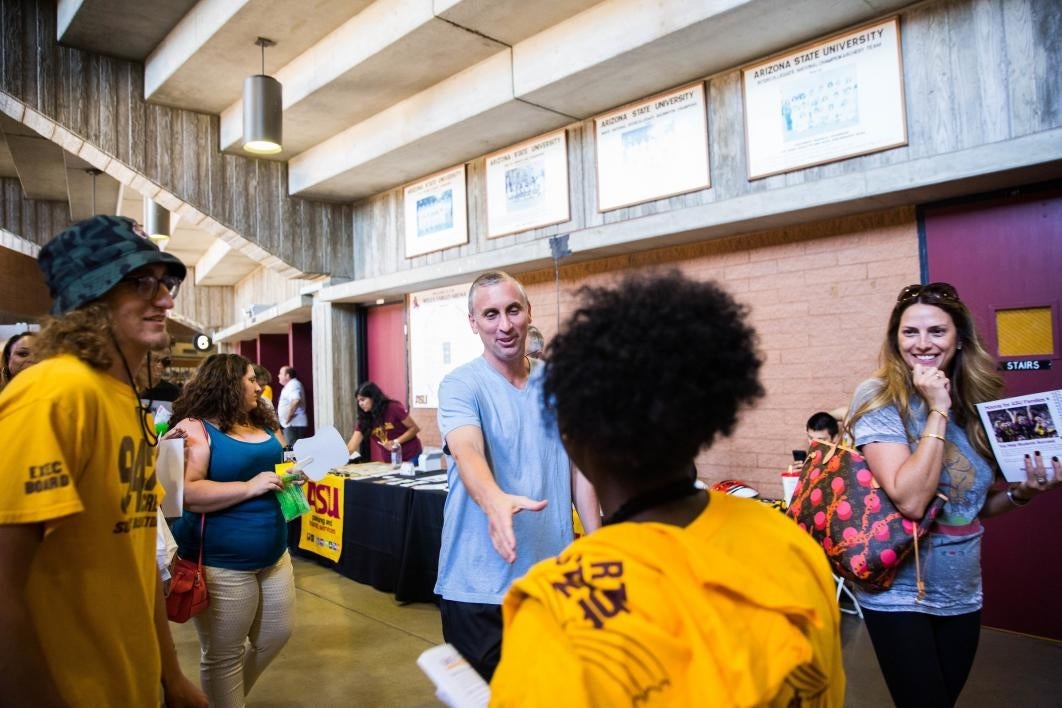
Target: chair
[[855, 609]]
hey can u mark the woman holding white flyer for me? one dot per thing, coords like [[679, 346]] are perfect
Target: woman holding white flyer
[[917, 425]]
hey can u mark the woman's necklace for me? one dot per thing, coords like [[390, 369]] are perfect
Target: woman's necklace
[[672, 491]]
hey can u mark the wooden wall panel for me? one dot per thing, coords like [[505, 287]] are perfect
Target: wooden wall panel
[[205, 308], [263, 287], [34, 220], [100, 99]]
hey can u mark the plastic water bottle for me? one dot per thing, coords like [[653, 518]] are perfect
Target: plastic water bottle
[[396, 456]]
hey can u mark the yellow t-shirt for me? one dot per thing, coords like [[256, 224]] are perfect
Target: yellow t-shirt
[[267, 393], [737, 609], [74, 459]]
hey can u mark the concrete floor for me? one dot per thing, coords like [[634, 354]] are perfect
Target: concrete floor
[[355, 646]]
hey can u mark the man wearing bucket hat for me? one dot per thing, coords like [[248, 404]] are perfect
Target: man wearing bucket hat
[[80, 609]]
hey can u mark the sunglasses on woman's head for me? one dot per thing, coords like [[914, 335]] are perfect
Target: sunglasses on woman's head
[[932, 291]]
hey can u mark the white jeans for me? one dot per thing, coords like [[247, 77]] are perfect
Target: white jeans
[[245, 605]]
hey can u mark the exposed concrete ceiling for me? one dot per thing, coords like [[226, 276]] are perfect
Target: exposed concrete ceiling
[[380, 93], [129, 29]]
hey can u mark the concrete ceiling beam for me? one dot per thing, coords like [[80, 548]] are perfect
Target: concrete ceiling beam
[[464, 116], [617, 51], [508, 21], [216, 39], [388, 52]]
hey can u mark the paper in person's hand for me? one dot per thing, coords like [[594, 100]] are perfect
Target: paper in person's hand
[[1023, 425]]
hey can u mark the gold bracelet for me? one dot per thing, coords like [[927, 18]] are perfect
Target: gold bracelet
[[933, 435], [942, 413]]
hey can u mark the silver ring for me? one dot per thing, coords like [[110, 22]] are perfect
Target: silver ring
[[1041, 480]]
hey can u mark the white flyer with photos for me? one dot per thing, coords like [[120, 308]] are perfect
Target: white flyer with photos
[[1023, 425]]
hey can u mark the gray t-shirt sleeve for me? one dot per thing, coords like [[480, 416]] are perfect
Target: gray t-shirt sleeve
[[879, 425]]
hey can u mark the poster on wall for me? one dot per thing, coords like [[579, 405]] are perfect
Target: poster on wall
[[832, 99], [652, 149], [440, 340], [527, 185], [435, 212]]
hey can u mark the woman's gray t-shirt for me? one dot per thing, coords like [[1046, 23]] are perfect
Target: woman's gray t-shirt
[[951, 554]]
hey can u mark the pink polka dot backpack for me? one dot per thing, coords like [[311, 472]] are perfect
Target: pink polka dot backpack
[[865, 537]]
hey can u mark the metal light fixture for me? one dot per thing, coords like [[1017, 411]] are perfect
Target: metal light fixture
[[93, 173], [263, 110], [156, 222]]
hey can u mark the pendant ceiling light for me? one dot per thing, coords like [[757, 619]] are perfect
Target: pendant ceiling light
[[93, 173], [263, 110], [157, 222]]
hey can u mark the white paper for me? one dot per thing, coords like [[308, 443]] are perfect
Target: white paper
[[323, 452], [1023, 425], [169, 468], [165, 545], [440, 339], [458, 684]]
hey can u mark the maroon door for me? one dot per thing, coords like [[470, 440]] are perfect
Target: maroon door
[[1004, 255], [386, 337]]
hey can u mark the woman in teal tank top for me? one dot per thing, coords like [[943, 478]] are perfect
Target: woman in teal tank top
[[230, 452]]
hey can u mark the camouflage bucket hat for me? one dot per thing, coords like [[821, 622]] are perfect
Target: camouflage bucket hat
[[85, 261]]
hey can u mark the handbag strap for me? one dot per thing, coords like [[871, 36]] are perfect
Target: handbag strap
[[202, 519], [202, 540]]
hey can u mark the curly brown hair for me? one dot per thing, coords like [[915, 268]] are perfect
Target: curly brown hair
[[84, 333], [634, 356], [215, 393]]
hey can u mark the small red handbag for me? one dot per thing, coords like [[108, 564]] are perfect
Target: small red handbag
[[865, 537], [188, 590]]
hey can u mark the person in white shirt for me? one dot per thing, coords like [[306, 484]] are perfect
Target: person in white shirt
[[291, 409]]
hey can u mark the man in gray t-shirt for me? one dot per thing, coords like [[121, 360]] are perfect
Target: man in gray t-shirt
[[505, 459]]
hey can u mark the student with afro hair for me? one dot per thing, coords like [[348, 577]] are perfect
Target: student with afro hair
[[685, 596]]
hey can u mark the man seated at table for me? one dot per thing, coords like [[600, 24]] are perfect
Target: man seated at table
[[505, 459], [822, 426]]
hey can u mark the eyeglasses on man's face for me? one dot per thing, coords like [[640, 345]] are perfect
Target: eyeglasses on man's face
[[932, 291], [147, 286]]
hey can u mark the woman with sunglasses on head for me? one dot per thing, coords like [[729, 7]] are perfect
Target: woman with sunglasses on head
[[18, 354], [387, 424], [231, 449], [916, 424]]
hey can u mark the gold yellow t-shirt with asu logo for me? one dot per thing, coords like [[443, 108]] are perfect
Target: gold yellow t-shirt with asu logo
[[74, 459]]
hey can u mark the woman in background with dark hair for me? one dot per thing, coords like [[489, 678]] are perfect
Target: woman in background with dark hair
[[231, 448], [916, 424], [387, 424], [18, 354], [684, 597]]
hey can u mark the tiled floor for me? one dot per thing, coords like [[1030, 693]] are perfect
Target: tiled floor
[[354, 646]]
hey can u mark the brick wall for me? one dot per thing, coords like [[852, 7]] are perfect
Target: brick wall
[[819, 297]]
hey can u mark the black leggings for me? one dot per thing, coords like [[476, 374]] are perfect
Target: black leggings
[[925, 659]]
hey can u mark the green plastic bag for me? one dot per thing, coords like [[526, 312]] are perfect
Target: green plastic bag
[[292, 500]]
